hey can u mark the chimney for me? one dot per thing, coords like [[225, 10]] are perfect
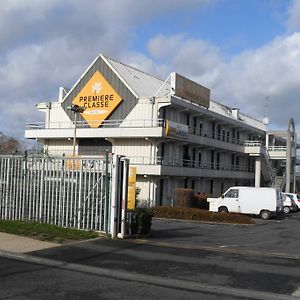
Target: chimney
[[61, 94], [235, 113]]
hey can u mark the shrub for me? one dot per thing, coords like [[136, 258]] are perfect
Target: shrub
[[199, 215], [140, 221], [185, 198], [201, 201]]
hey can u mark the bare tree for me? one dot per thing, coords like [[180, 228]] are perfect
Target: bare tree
[[9, 145]]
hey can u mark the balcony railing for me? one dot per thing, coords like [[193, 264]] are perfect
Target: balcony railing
[[260, 144], [142, 123], [142, 160], [160, 161], [213, 135], [253, 143], [277, 148]]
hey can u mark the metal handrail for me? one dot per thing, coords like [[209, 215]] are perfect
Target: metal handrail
[[178, 162], [139, 123], [253, 143], [105, 124], [277, 148], [213, 135]]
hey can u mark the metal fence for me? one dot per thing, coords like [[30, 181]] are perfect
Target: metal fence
[[68, 192]]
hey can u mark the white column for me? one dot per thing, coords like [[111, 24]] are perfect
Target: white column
[[267, 140], [257, 171], [114, 196], [288, 163]]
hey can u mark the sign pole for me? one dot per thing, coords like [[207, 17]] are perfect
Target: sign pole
[[74, 134]]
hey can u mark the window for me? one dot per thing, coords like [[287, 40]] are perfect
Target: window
[[93, 146], [234, 193], [195, 125], [218, 132], [199, 158], [218, 160], [223, 135]]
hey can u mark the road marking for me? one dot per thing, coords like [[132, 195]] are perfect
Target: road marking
[[221, 248], [149, 279]]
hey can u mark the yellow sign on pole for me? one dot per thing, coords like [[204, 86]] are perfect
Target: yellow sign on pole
[[99, 99], [131, 188]]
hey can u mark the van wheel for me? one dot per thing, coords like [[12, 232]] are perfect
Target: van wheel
[[265, 214], [223, 209], [286, 210]]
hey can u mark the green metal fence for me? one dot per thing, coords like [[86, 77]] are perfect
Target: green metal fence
[[68, 192]]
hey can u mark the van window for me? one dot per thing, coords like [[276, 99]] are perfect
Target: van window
[[234, 193]]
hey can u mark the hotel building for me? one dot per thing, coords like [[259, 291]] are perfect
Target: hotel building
[[172, 132]]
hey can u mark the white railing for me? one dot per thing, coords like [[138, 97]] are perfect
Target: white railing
[[140, 123], [253, 143], [277, 148], [174, 162], [213, 135], [260, 144]]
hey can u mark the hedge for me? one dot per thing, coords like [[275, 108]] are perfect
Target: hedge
[[187, 198], [197, 214]]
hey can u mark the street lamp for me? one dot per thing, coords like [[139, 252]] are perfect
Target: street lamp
[[76, 109]]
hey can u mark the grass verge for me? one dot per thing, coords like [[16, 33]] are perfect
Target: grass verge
[[197, 214], [45, 232]]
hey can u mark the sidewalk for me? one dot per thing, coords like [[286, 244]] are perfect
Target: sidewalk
[[21, 244]]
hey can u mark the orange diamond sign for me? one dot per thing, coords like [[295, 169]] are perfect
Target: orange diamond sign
[[99, 99]]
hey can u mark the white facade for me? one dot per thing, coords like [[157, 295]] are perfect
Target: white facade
[[173, 142]]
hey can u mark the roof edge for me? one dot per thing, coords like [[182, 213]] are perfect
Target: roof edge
[[80, 78], [105, 59], [134, 68]]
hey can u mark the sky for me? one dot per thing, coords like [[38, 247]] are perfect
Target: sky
[[246, 52]]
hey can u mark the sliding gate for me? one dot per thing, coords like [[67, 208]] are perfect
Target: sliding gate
[[68, 192]]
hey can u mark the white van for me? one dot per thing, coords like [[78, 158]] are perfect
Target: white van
[[265, 202]]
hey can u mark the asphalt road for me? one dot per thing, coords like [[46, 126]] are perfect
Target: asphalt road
[[181, 260]]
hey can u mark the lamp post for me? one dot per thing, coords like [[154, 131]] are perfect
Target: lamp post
[[76, 109]]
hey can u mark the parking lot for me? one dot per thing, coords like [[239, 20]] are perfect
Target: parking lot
[[180, 260], [274, 236]]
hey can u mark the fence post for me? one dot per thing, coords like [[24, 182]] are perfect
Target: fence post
[[7, 191], [106, 195], [114, 196], [25, 188], [124, 199]]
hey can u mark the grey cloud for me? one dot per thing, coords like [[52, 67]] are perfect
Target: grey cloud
[[293, 19], [262, 81], [193, 57], [46, 44]]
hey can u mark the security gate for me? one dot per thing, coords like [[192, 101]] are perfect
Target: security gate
[[68, 192]]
